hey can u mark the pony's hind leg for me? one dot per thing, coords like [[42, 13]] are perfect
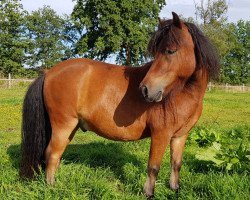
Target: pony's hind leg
[[60, 138]]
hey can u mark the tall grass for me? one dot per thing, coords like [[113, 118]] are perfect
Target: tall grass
[[95, 168]]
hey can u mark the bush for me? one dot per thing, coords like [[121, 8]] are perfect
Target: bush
[[205, 137], [234, 159], [220, 154]]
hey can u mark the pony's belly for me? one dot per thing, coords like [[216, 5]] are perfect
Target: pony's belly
[[116, 133]]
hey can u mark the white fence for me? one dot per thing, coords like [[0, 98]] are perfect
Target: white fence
[[10, 83], [229, 88]]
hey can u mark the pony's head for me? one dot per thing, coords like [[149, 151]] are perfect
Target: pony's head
[[179, 49]]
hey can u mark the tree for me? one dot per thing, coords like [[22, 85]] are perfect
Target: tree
[[116, 27], [45, 30], [12, 39], [236, 66], [71, 36], [214, 23], [231, 40], [218, 34], [212, 14], [211, 10]]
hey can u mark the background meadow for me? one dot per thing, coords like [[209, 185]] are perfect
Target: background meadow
[[215, 165]]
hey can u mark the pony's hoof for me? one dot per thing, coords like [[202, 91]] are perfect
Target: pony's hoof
[[174, 186], [149, 193], [50, 181]]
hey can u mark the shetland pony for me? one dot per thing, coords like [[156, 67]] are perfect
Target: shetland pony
[[162, 100]]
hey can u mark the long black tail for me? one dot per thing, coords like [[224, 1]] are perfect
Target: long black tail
[[36, 130]]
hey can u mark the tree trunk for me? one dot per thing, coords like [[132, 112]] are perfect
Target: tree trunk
[[128, 56]]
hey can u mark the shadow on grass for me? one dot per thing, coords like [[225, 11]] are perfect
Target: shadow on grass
[[199, 166], [94, 154], [98, 154], [14, 151]]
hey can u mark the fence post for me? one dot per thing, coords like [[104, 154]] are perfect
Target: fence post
[[9, 81], [226, 86], [243, 88], [209, 86]]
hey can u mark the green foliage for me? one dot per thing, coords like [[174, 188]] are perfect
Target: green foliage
[[46, 38], [212, 13], [205, 137], [222, 43], [115, 27], [233, 43], [240, 133], [100, 29], [236, 66], [225, 156], [211, 10], [234, 158], [12, 40], [36, 40]]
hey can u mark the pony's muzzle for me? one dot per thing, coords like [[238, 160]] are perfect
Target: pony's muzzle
[[151, 96]]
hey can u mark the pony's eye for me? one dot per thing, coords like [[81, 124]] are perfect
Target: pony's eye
[[169, 51]]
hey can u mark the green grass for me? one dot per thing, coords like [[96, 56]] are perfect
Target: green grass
[[95, 168], [225, 110]]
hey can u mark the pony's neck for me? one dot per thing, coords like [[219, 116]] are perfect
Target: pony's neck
[[197, 83], [195, 86], [199, 79]]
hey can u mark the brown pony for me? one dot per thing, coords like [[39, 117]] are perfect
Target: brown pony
[[161, 100]]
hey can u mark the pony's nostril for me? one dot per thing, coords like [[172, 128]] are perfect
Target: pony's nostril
[[144, 90]]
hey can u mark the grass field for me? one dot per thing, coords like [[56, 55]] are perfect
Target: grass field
[[96, 168]]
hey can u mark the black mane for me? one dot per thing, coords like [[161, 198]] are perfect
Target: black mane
[[205, 53], [164, 37]]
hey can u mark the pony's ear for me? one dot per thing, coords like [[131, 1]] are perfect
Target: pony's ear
[[161, 23], [176, 20]]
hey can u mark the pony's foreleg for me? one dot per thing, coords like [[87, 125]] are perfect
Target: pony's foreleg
[[177, 145], [159, 142], [60, 138]]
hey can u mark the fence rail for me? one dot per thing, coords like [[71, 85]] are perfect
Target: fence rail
[[229, 88], [10, 83]]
